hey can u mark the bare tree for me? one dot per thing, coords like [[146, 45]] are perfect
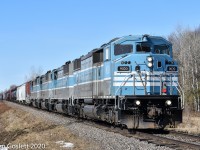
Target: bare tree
[[13, 86], [34, 72], [186, 46]]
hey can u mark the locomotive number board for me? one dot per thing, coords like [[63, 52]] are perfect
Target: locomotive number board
[[123, 68], [172, 68]]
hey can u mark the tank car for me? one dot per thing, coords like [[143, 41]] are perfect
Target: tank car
[[130, 81]]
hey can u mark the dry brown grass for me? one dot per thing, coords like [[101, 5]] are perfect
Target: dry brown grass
[[17, 126], [191, 123], [3, 108]]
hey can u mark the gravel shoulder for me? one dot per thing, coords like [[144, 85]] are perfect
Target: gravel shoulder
[[82, 135], [21, 129]]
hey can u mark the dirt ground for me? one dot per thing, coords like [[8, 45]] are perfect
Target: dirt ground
[[21, 130]]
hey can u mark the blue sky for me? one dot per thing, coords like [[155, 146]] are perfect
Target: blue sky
[[47, 33]]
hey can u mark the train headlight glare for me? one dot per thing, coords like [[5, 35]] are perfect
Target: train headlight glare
[[168, 102], [137, 102], [150, 64], [149, 59]]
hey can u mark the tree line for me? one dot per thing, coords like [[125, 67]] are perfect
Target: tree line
[[186, 50]]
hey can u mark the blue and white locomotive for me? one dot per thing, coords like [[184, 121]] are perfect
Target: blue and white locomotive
[[130, 81]]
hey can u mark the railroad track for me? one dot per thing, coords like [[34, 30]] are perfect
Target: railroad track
[[168, 142], [196, 138], [157, 137]]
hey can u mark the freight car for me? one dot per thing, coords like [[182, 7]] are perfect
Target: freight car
[[23, 93], [19, 94], [10, 94], [1, 96], [7, 95]]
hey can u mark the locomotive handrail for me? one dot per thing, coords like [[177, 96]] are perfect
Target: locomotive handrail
[[144, 84], [179, 88], [181, 93], [127, 77], [122, 84], [125, 80], [161, 84], [171, 84], [134, 80]]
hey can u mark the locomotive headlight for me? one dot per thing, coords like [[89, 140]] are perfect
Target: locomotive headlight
[[168, 102], [149, 59], [137, 102], [150, 64]]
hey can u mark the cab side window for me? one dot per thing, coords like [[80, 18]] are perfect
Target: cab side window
[[123, 49], [162, 49], [143, 48]]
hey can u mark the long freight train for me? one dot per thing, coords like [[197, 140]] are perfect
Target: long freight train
[[130, 81]]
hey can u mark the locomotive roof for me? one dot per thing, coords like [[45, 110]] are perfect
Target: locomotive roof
[[58, 69], [48, 71], [42, 76], [89, 54], [158, 40], [153, 39]]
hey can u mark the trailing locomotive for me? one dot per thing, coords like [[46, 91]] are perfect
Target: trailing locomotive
[[130, 81]]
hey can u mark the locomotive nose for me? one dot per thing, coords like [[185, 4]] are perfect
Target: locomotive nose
[[161, 64]]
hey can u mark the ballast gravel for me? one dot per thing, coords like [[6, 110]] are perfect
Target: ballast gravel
[[105, 140]]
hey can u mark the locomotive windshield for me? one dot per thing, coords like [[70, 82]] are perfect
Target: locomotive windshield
[[162, 49], [143, 47]]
